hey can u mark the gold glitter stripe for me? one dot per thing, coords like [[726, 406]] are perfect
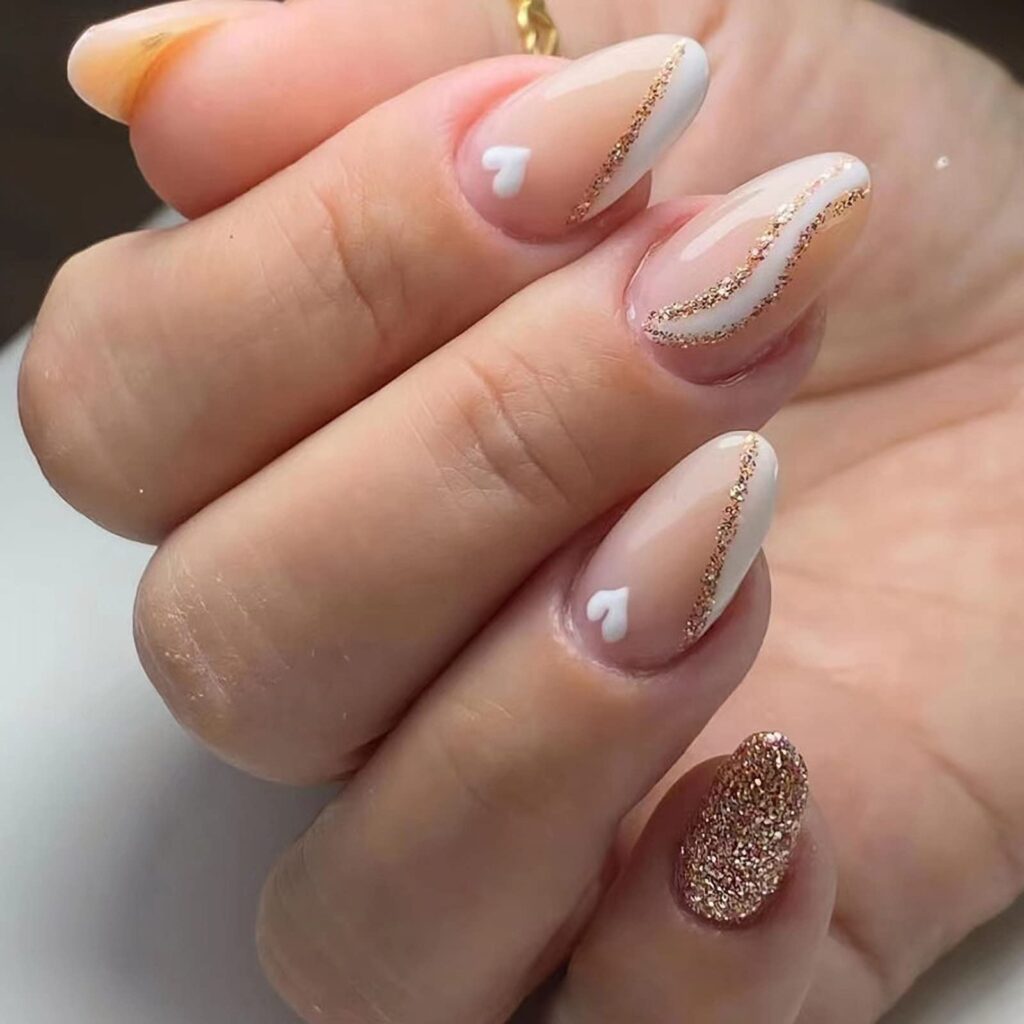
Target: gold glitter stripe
[[628, 138], [724, 536], [729, 285]]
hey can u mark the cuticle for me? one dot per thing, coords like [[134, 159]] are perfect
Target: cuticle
[[569, 632]]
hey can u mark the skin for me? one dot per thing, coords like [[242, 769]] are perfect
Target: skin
[[897, 553], [642, 961]]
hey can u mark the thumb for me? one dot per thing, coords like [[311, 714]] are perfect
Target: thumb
[[220, 94]]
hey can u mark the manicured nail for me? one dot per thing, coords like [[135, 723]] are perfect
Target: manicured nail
[[739, 844], [730, 282], [569, 145], [671, 565], [110, 62]]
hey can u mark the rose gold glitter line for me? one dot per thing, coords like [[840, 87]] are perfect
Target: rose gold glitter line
[[739, 845], [628, 138], [724, 536], [729, 285]]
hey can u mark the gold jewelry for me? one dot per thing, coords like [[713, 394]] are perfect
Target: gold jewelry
[[536, 27]]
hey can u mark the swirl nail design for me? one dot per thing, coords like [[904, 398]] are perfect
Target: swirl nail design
[[759, 281]]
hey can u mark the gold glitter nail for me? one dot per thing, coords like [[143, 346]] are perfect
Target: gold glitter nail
[[739, 845], [724, 536], [628, 138], [763, 245]]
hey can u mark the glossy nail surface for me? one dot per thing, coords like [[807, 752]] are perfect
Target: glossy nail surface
[[569, 145], [110, 63], [739, 845], [732, 280], [670, 566]]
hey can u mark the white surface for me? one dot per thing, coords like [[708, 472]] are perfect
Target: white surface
[[129, 859], [510, 163]]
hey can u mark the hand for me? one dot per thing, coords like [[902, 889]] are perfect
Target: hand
[[914, 346]]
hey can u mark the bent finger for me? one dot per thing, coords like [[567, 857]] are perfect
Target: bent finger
[[468, 844], [425, 507], [221, 94], [198, 355], [721, 911]]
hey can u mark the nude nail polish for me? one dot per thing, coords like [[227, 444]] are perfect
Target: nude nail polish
[[730, 282], [669, 568], [740, 842], [110, 62], [566, 147]]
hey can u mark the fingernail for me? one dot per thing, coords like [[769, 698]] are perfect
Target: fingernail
[[738, 846], [566, 147], [671, 565], [111, 61], [731, 281]]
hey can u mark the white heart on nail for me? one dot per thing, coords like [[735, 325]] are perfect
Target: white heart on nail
[[611, 608], [510, 163]]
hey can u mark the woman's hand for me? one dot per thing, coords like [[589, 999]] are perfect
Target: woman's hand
[[892, 656]]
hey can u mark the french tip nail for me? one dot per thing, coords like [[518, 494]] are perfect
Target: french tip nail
[[738, 847], [110, 62]]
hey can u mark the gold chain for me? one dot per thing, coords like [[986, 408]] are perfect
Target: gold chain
[[536, 27]]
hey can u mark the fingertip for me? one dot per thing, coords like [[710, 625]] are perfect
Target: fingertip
[[111, 63], [252, 98], [724, 902]]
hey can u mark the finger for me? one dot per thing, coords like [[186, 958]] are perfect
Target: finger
[[720, 913], [337, 582], [481, 826], [221, 94], [198, 355]]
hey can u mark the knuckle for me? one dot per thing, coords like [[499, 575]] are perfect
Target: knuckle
[[349, 257], [74, 398], [491, 760], [502, 429], [318, 963], [214, 649], [193, 674], [51, 378]]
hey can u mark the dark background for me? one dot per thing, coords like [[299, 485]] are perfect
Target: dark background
[[67, 177]]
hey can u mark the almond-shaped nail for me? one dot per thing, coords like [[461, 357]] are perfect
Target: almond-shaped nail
[[669, 568], [739, 845], [730, 282], [567, 146], [110, 63]]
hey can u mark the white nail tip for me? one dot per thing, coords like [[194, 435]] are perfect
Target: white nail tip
[[510, 164], [611, 608], [666, 120]]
